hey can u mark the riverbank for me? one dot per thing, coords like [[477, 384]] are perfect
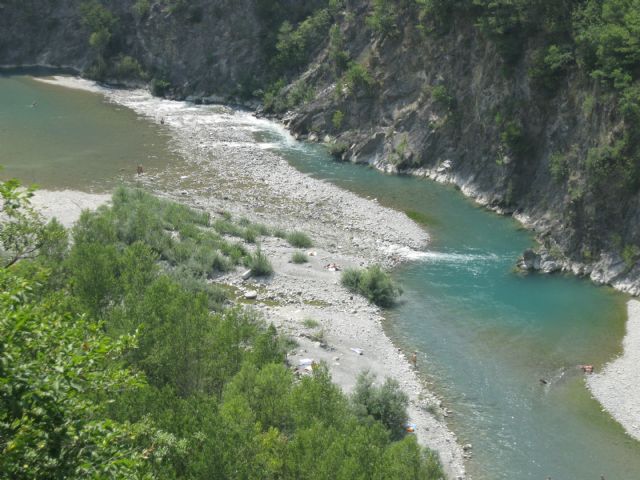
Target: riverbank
[[617, 387], [66, 205], [232, 169]]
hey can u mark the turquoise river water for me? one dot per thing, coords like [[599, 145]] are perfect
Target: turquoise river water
[[486, 335]]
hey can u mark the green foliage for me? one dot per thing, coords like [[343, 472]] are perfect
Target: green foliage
[[102, 25], [299, 257], [384, 17], [386, 404], [607, 37], [356, 80], [295, 45], [338, 149], [23, 233], [337, 118], [280, 98], [550, 66], [56, 375], [141, 8], [272, 99], [511, 135], [337, 53], [299, 239], [373, 283], [442, 97], [300, 93], [159, 87], [310, 323], [558, 166], [630, 255], [259, 264], [609, 167], [128, 68], [123, 334]]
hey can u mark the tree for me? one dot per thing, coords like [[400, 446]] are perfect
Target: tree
[[23, 233], [386, 404], [56, 372]]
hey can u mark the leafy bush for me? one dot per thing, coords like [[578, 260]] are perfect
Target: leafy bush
[[630, 255], [280, 233], [57, 373], [159, 87], [355, 80], [337, 118], [295, 45], [442, 97], [299, 257], [128, 68], [384, 17], [141, 8], [338, 149], [338, 55], [373, 283], [550, 66], [558, 166], [278, 98], [386, 404], [299, 240]]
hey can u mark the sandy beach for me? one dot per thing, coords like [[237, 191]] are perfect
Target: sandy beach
[[229, 170], [66, 205], [617, 387]]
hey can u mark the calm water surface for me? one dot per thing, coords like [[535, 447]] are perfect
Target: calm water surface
[[487, 335], [61, 138]]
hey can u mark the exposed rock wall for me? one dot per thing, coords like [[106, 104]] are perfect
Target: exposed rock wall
[[208, 47], [440, 106]]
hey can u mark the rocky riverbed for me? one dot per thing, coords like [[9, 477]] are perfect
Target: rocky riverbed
[[230, 169]]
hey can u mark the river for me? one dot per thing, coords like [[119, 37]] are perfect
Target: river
[[485, 334]]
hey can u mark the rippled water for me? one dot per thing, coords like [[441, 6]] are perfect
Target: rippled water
[[486, 334]]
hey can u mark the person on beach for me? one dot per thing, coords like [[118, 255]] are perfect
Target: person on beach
[[139, 170], [414, 359]]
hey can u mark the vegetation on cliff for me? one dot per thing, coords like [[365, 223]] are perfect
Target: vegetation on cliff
[[118, 359]]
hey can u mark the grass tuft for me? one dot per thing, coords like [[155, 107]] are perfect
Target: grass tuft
[[299, 257], [299, 240]]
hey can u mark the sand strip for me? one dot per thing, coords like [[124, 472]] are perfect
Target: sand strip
[[66, 205], [617, 387]]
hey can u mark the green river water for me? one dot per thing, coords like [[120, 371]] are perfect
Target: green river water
[[486, 335], [61, 138]]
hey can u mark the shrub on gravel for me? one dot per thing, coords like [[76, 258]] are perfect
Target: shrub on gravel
[[373, 283], [259, 264], [299, 257], [299, 240]]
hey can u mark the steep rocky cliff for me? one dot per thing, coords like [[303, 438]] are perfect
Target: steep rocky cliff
[[197, 47], [515, 102], [447, 105]]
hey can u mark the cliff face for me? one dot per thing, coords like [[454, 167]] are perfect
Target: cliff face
[[198, 47], [448, 107], [443, 103]]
